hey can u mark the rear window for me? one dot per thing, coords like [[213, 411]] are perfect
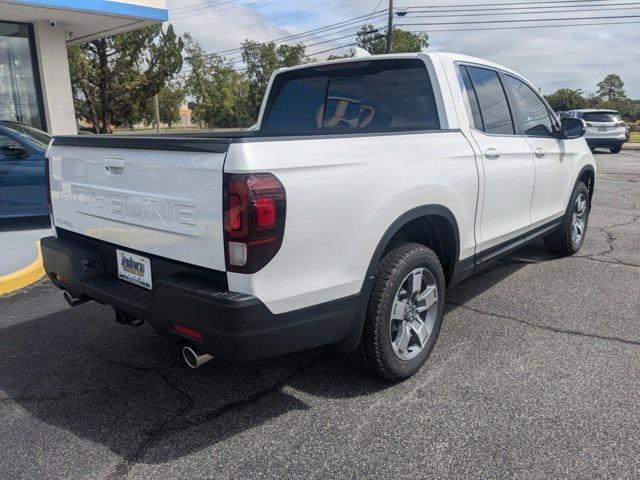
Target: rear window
[[601, 117], [383, 95]]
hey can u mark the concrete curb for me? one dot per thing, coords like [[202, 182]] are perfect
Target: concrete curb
[[631, 146], [24, 277]]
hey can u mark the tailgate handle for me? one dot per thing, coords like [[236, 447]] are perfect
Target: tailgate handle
[[114, 166]]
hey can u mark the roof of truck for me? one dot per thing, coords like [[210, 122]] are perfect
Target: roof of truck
[[445, 56]]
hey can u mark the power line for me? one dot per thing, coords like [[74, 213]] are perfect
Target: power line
[[517, 20], [296, 16], [375, 10], [191, 6], [488, 29], [315, 31], [205, 10], [498, 5], [376, 29], [537, 10]]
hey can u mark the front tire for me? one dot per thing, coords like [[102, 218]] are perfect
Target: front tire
[[616, 149], [404, 314], [568, 239]]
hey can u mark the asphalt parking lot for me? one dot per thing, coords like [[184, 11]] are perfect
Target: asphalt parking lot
[[536, 375]]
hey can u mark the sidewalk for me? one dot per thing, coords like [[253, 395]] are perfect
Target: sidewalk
[[20, 262]]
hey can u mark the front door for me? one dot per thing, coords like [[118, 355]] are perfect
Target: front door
[[506, 159], [553, 161]]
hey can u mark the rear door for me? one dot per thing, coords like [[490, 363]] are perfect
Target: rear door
[[552, 156], [141, 195], [506, 158]]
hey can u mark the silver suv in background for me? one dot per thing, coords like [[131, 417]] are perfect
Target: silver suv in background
[[605, 128]]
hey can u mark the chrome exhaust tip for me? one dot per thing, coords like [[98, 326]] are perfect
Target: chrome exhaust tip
[[72, 301], [193, 358]]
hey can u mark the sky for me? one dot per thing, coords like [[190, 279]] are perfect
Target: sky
[[551, 58]]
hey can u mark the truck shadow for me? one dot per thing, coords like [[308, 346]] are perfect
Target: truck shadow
[[128, 390]]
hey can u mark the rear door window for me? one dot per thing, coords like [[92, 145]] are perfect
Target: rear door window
[[533, 116], [492, 99], [381, 95]]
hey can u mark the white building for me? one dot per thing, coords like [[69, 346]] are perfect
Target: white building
[[35, 86]]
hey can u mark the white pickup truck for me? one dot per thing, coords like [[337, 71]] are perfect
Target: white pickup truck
[[369, 187]]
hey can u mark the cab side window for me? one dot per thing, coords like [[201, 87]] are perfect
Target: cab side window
[[534, 117], [471, 99], [492, 99]]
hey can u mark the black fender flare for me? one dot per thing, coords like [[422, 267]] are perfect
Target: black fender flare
[[352, 341], [588, 168]]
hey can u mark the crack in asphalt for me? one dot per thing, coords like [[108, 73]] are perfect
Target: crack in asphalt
[[610, 262], [547, 327], [164, 427], [610, 240]]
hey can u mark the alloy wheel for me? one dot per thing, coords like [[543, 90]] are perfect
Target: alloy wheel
[[413, 313]]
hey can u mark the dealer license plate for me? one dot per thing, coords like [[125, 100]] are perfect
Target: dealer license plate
[[134, 269]]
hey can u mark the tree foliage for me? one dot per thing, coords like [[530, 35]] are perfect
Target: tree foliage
[[566, 99], [218, 91], [170, 98], [611, 89], [112, 78], [610, 95], [403, 41]]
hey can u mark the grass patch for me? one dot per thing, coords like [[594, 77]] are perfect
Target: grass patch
[[635, 137]]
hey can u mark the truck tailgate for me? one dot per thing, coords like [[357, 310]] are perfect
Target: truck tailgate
[[149, 199]]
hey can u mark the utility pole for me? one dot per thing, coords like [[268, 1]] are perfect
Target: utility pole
[[390, 28], [156, 111]]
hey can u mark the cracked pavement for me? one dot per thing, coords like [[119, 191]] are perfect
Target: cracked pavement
[[536, 375]]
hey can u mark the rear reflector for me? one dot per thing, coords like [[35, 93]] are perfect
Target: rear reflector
[[187, 331]]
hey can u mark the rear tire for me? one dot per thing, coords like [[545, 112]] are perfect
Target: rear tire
[[404, 314], [616, 149], [568, 239]]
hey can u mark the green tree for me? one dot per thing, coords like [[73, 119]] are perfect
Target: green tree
[[565, 99], [112, 78], [170, 98], [261, 60], [611, 94], [403, 41], [218, 92], [611, 89]]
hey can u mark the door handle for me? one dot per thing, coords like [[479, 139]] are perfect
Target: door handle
[[539, 152], [492, 154]]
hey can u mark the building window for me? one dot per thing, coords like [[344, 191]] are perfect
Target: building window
[[20, 98]]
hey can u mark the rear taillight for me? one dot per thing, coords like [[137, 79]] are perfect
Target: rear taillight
[[254, 215], [620, 124]]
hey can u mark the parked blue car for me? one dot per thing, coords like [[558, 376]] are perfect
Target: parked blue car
[[22, 164]]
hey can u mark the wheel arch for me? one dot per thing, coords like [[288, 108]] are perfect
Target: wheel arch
[[588, 176], [441, 218], [434, 226]]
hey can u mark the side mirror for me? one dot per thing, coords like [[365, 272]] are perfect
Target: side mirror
[[13, 149], [572, 128]]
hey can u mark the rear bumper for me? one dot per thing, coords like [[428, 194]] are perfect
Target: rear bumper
[[234, 326], [604, 142]]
